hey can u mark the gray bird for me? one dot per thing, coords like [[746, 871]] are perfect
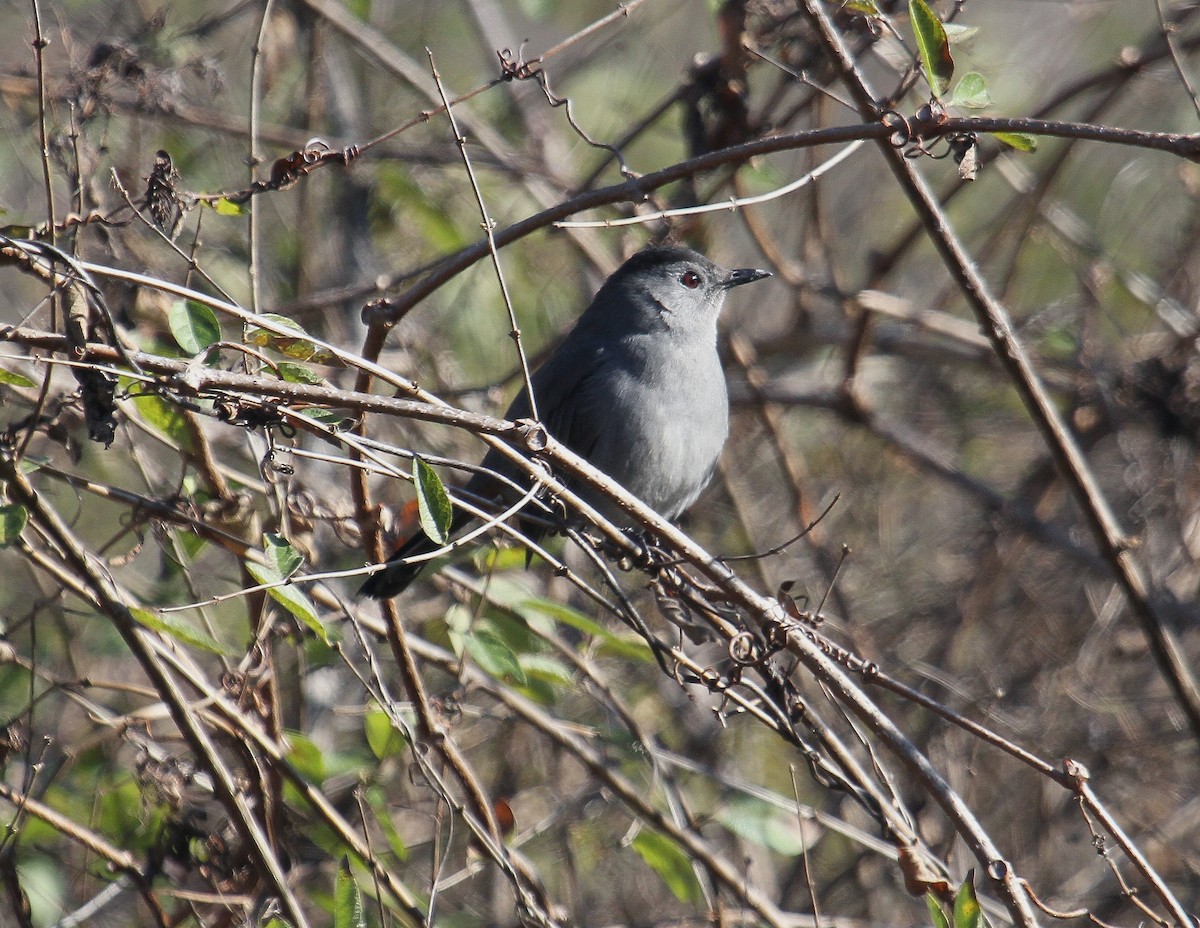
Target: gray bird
[[636, 388]]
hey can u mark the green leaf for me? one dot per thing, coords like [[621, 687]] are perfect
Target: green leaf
[[292, 598], [226, 207], [425, 213], [380, 803], [932, 45], [866, 7], [382, 737], [12, 523], [935, 912], [458, 621], [563, 613], [764, 824], [1021, 141], [347, 900], [967, 913], [299, 347], [299, 373], [545, 678], [164, 417], [32, 463], [17, 380], [433, 503], [628, 647], [194, 325], [190, 543], [672, 865], [971, 92], [121, 810], [520, 637], [360, 9], [330, 418], [281, 555], [170, 624], [550, 669], [295, 601], [538, 691], [306, 757], [494, 656]]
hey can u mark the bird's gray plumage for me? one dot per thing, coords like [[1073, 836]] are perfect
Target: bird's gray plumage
[[636, 388]]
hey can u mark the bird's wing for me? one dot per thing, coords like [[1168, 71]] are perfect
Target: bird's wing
[[569, 389]]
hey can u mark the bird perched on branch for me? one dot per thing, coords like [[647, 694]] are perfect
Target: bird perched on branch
[[636, 388]]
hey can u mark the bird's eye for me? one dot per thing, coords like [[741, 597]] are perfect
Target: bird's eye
[[690, 279]]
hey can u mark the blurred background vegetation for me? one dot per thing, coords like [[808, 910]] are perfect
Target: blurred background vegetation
[[948, 551]]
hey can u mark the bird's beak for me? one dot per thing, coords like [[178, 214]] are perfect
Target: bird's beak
[[743, 275]]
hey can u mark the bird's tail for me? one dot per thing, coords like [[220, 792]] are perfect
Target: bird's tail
[[395, 578]]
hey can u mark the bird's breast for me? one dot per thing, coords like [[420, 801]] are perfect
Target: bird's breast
[[667, 425]]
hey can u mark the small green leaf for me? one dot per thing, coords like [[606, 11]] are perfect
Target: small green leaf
[[672, 865], [330, 418], [626, 646], [520, 637], [12, 523], [1021, 141], [866, 7], [380, 803], [190, 544], [382, 737], [299, 373], [119, 808], [932, 45], [425, 212], [971, 92], [282, 321], [194, 325], [347, 900], [629, 648], [169, 624], [32, 463], [281, 555], [292, 598], [546, 678], [306, 757], [935, 912], [165, 417], [299, 347], [295, 601], [967, 913], [538, 691], [493, 655], [226, 207], [550, 669], [764, 824], [17, 380], [530, 608], [360, 9], [433, 503]]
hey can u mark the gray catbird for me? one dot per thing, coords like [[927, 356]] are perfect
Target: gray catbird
[[636, 388]]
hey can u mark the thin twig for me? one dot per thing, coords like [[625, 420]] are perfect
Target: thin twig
[[489, 227], [110, 599], [1168, 34]]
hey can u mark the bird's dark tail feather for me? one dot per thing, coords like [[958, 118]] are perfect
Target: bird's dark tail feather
[[396, 577]]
